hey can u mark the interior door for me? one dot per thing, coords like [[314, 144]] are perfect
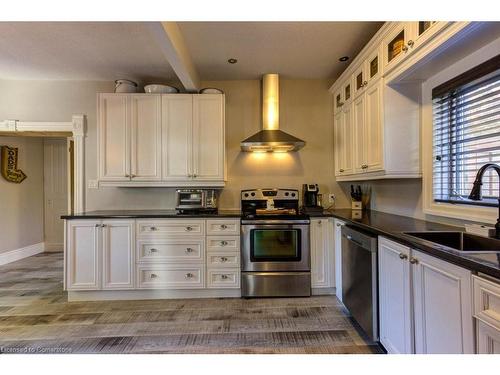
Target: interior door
[[395, 307], [177, 128], [55, 177], [114, 138], [145, 111], [208, 137]]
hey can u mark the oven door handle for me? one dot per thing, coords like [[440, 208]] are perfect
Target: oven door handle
[[273, 222]]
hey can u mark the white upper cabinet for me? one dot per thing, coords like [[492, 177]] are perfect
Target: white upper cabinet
[[208, 138], [161, 140], [177, 123], [343, 142], [145, 124], [114, 138]]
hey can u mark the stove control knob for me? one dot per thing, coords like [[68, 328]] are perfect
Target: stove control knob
[[253, 194], [287, 194], [246, 195], [293, 194]]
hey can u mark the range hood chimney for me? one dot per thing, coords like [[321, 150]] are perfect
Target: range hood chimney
[[271, 138]]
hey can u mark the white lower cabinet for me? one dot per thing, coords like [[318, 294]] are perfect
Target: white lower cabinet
[[338, 224], [100, 254], [395, 303], [322, 257], [83, 255], [424, 302], [487, 314], [118, 243]]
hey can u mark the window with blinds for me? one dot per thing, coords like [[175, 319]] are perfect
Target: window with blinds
[[466, 129]]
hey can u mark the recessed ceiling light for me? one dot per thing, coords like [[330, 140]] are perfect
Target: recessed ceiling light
[[344, 58], [232, 61]]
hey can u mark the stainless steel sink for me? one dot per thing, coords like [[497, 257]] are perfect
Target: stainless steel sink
[[461, 241]]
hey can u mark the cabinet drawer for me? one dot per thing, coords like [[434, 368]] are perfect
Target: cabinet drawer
[[185, 276], [486, 301], [223, 243], [223, 227], [172, 250], [223, 278], [222, 259], [157, 228]]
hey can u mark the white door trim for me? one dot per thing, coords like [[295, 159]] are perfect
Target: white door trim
[[77, 126]]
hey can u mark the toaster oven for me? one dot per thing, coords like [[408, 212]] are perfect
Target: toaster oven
[[190, 200]]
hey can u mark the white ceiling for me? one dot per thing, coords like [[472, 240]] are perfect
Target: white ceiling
[[81, 51], [293, 49], [112, 50]]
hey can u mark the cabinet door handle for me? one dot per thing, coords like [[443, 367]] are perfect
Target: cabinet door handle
[[223, 226], [341, 170], [223, 243], [189, 250], [224, 277], [103, 225], [127, 175], [194, 176], [365, 83], [153, 229], [223, 259], [403, 256], [189, 228], [153, 276], [338, 224], [411, 43], [97, 225], [133, 175], [153, 250], [413, 260], [189, 275], [405, 48]]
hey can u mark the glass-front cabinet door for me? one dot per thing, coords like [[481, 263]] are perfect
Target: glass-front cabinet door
[[424, 30], [373, 67], [359, 79], [395, 45], [338, 101]]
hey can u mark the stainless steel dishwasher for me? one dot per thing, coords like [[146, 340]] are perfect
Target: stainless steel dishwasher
[[359, 278]]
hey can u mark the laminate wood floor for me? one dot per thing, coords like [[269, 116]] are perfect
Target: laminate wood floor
[[36, 317]]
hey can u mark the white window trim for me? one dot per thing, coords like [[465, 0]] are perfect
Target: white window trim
[[456, 211]]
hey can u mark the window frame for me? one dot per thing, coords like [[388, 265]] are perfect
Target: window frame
[[485, 214]]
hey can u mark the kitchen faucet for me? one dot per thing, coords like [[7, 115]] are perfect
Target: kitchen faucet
[[475, 193]]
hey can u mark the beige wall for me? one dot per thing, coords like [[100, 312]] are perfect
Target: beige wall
[[21, 205], [306, 112]]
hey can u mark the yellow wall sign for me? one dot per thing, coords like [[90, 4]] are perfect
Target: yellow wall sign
[[9, 165]]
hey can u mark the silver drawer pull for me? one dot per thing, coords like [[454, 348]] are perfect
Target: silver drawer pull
[[153, 228], [223, 259], [153, 276], [189, 275], [403, 256], [189, 250], [224, 277], [223, 243], [189, 229], [223, 226], [153, 250]]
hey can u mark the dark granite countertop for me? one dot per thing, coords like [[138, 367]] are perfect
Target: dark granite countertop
[[149, 214], [393, 226]]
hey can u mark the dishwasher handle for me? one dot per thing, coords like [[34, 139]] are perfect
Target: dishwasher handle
[[362, 240], [349, 237]]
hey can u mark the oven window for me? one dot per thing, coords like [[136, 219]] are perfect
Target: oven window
[[275, 245]]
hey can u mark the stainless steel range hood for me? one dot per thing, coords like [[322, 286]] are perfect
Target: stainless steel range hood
[[271, 138]]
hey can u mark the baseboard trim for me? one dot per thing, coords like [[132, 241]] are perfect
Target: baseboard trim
[[323, 291], [110, 295], [23, 252], [54, 247]]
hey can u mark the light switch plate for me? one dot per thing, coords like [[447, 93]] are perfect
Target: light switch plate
[[93, 184]]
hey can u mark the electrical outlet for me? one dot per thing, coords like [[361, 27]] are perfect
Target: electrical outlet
[[331, 198], [93, 184]]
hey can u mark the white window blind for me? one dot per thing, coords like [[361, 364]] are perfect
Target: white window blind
[[466, 128]]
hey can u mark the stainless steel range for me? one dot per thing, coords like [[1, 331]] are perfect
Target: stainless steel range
[[275, 257]]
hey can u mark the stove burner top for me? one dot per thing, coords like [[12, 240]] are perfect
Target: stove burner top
[[254, 204]]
